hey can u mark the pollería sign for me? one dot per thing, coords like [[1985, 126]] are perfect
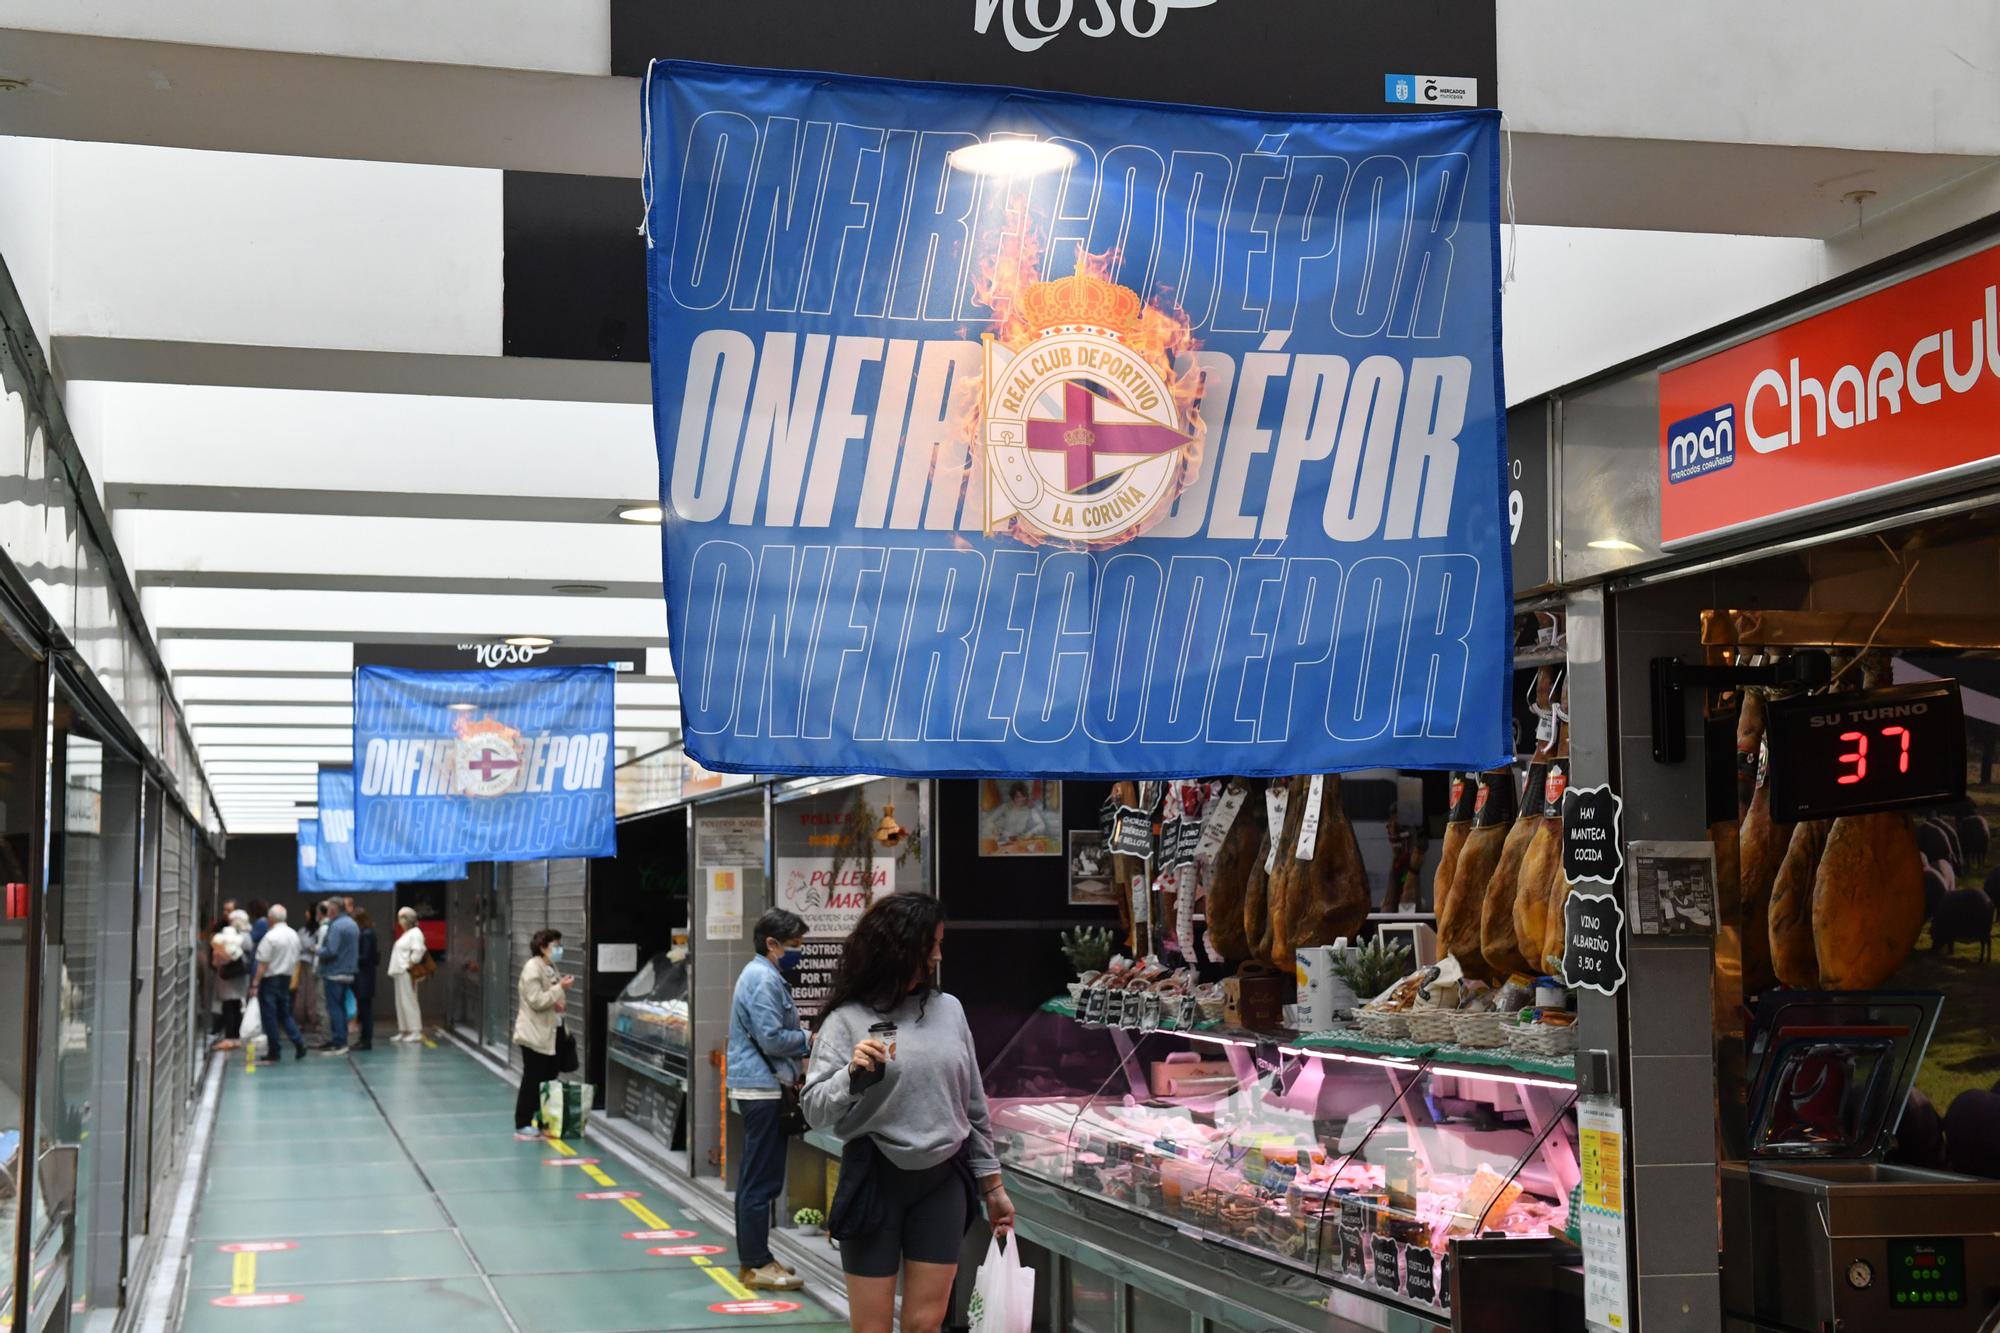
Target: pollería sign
[[1007, 432]]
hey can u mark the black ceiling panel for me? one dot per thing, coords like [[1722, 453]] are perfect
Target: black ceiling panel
[[575, 268], [1267, 55]]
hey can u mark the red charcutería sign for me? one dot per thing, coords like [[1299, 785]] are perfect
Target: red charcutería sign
[[1891, 390]]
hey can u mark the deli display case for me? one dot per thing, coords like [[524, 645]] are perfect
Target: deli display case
[[1284, 1183], [647, 1042]]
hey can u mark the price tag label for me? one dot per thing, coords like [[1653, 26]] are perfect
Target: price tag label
[[1388, 1264], [1096, 1006], [1594, 942], [1353, 1256], [1309, 822], [1190, 1015], [1593, 845], [1420, 1273]]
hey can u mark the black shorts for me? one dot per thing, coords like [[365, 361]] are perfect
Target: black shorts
[[923, 1221]]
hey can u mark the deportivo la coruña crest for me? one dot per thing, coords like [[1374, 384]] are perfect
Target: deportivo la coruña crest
[[1083, 438]]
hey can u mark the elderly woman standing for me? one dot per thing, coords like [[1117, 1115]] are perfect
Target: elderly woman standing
[[229, 954], [544, 996], [406, 953]]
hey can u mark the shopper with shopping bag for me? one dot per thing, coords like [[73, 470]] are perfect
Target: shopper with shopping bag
[[1003, 1296], [544, 997], [894, 1076]]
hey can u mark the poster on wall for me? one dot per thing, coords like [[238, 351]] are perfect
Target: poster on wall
[[1672, 888], [336, 841], [830, 894], [724, 913], [1008, 433], [1090, 881], [505, 765], [1021, 817]]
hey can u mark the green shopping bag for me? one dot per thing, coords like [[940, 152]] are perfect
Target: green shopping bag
[[565, 1107]]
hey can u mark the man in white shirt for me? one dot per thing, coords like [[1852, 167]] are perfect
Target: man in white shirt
[[277, 957]]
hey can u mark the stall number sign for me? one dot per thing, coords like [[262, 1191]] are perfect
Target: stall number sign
[[1594, 942], [1592, 843]]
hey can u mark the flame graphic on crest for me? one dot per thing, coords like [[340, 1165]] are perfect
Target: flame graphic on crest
[[1160, 333], [468, 730]]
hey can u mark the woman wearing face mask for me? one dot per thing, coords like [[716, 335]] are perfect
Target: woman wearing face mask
[[894, 1076], [544, 996], [767, 1047]]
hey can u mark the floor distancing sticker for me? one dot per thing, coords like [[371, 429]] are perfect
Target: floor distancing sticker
[[257, 1246], [258, 1301], [684, 1251], [751, 1305], [600, 1196]]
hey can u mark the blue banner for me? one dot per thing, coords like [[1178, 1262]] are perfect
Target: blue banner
[[312, 884], [508, 765], [1007, 432], [336, 841]]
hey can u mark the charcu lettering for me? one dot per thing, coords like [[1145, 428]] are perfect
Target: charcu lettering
[[1851, 396]]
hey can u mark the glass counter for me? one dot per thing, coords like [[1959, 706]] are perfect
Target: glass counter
[[647, 1025], [1356, 1169]]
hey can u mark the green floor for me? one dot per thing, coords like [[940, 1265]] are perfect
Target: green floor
[[393, 1194]]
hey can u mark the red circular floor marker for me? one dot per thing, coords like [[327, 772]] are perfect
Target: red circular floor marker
[[684, 1251], [258, 1246], [569, 1161], [659, 1235], [610, 1194], [258, 1300], [753, 1307]]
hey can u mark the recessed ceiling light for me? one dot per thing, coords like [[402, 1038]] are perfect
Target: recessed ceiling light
[[581, 589], [1011, 157], [530, 641], [461, 708], [642, 514], [1612, 544]]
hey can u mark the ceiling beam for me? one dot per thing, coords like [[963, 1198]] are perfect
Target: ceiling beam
[[417, 583], [365, 504]]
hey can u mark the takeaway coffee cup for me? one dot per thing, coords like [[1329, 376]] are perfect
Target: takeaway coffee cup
[[886, 1034]]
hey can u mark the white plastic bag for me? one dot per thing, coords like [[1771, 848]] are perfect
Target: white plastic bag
[[252, 1028], [1003, 1295]]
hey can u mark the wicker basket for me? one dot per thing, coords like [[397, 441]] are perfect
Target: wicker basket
[[1383, 1024], [1212, 1007], [1432, 1025], [1547, 1041], [1480, 1028]]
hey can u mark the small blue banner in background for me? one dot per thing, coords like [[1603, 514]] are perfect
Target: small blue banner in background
[[336, 841], [312, 883], [509, 765], [1018, 433]]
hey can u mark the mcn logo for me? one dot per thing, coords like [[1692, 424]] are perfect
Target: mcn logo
[[1702, 443]]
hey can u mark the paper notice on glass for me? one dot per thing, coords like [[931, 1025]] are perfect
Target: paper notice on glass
[[725, 902], [732, 841], [1601, 1150]]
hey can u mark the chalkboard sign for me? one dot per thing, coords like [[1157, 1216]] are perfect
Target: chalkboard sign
[[1132, 832], [1096, 1005], [1388, 1264], [1353, 1261], [1594, 942], [1420, 1273], [1593, 846]]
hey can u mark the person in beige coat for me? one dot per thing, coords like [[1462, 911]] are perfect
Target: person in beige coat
[[544, 996], [405, 953]]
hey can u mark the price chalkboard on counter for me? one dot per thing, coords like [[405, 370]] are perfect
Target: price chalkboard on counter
[[1420, 1273], [1388, 1264], [1353, 1254]]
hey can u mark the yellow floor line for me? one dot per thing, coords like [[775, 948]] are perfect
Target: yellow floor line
[[597, 1174], [730, 1283], [645, 1214], [243, 1280], [562, 1149], [429, 1043], [250, 1058]]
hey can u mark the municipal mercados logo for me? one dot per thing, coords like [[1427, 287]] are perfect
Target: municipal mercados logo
[[489, 755], [1702, 443], [1083, 436]]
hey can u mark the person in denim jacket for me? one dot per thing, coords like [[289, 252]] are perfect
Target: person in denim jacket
[[767, 1048]]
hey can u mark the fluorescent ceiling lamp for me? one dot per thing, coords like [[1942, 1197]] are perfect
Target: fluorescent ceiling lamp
[[274, 713], [331, 754], [462, 708], [432, 617], [220, 435], [530, 641], [1612, 544], [195, 690], [1012, 157], [646, 513], [264, 655]]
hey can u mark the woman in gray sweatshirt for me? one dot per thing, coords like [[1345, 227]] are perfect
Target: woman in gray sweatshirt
[[909, 1106]]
